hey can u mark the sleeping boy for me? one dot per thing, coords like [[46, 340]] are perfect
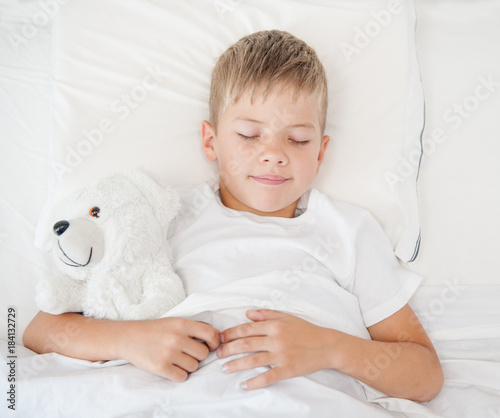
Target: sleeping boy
[[268, 103]]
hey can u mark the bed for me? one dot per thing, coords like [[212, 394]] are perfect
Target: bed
[[93, 87]]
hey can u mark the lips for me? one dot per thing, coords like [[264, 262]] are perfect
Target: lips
[[270, 179]]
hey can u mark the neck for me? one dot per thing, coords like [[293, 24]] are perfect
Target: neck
[[231, 202]]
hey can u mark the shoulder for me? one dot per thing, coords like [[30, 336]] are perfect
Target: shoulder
[[355, 222], [341, 212]]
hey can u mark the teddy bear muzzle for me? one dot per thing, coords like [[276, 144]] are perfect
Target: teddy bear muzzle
[[79, 244]]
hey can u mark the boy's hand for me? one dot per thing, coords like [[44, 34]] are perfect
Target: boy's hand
[[289, 345], [167, 346]]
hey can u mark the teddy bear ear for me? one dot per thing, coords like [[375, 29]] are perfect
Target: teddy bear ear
[[163, 199]]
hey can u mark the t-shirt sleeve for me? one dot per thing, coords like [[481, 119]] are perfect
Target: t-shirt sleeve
[[382, 285]]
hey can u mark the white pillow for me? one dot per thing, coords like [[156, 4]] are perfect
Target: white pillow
[[131, 86], [459, 188]]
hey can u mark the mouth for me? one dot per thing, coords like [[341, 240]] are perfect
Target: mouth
[[270, 179], [73, 263]]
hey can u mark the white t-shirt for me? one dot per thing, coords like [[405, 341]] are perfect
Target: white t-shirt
[[331, 240]]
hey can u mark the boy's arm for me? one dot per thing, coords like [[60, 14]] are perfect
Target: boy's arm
[[165, 347], [400, 361]]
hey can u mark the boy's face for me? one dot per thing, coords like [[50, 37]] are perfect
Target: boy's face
[[268, 152]]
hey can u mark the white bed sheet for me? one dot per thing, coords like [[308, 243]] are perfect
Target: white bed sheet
[[462, 326]]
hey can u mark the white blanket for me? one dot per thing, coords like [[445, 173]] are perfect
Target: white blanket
[[54, 385]]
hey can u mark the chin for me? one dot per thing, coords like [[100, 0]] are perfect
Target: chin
[[270, 209]]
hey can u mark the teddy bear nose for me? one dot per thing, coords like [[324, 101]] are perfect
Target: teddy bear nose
[[60, 227]]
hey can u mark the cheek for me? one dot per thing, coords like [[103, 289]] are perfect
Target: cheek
[[308, 161], [231, 164], [239, 158], [244, 152], [232, 168]]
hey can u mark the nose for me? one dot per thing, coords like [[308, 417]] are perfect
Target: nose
[[273, 154], [60, 227]]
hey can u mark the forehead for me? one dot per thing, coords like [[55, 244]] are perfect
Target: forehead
[[283, 106]]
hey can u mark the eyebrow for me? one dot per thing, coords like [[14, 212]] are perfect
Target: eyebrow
[[297, 125]]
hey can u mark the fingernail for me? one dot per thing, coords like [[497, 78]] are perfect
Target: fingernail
[[219, 352], [244, 385], [225, 368], [221, 337]]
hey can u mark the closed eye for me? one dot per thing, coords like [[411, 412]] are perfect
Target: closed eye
[[247, 138], [295, 142]]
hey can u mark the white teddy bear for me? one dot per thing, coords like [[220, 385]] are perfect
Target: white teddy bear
[[110, 247]]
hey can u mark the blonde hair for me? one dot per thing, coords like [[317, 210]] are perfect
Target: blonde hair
[[261, 62]]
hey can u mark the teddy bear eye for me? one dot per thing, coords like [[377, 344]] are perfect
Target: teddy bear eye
[[95, 211]]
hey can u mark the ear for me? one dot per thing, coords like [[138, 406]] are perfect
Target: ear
[[322, 149], [164, 199], [207, 140]]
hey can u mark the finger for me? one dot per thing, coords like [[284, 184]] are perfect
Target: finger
[[265, 314], [206, 333], [265, 379], [243, 346], [251, 361], [196, 349], [185, 362], [250, 329], [177, 374], [171, 372]]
